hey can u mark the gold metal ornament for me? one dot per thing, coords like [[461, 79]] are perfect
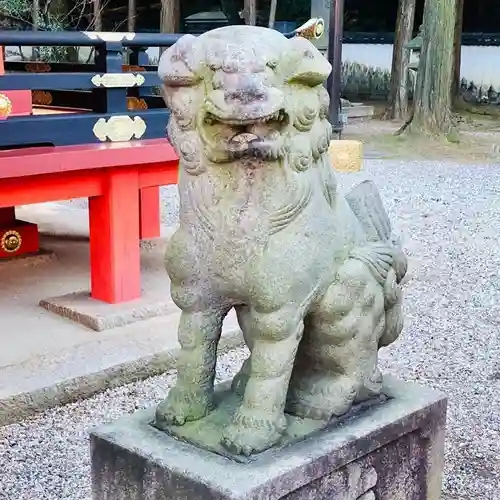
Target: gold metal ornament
[[119, 128], [117, 80], [41, 97], [132, 68], [312, 29], [37, 67], [133, 103], [11, 241], [5, 106]]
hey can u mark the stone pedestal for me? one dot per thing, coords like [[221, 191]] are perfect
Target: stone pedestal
[[392, 450]]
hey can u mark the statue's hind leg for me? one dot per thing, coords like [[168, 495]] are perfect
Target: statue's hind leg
[[259, 421], [192, 397], [337, 359]]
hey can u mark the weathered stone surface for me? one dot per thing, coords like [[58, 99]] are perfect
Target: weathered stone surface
[[82, 308], [314, 276], [392, 451]]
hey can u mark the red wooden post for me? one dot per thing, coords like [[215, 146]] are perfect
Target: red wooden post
[[7, 216], [114, 238], [25, 235], [150, 212]]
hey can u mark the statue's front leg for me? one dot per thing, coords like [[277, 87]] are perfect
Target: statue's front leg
[[259, 422], [192, 396]]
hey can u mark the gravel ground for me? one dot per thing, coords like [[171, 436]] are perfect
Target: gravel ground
[[449, 218]]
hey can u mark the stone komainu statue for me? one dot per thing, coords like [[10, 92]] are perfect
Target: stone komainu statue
[[313, 276]]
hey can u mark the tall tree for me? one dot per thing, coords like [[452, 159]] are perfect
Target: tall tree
[[97, 21], [457, 49], [250, 12], [397, 107], [432, 100], [131, 15], [170, 16], [35, 14], [272, 13]]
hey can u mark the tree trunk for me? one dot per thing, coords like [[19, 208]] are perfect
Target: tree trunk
[[397, 108], [250, 12], [35, 15], [432, 102], [97, 15], [58, 9], [272, 13], [170, 16], [131, 15], [457, 50]]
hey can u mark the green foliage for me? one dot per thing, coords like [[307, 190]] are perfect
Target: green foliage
[[20, 11], [18, 14]]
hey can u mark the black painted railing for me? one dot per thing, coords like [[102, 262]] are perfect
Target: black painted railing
[[116, 95], [118, 85]]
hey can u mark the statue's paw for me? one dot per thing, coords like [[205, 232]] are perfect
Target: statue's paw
[[323, 399], [303, 409], [183, 405], [252, 432]]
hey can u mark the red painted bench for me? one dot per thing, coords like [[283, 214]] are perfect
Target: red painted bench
[[121, 181]]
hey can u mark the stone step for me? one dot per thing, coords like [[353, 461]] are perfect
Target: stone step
[[132, 353]]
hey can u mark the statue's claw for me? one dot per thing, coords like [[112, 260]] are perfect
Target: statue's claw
[[251, 433], [183, 406]]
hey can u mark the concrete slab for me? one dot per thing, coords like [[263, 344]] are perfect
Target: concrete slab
[[31, 259], [62, 376], [47, 360], [99, 316]]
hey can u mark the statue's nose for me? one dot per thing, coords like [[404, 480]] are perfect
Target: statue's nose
[[243, 88], [252, 94], [246, 94]]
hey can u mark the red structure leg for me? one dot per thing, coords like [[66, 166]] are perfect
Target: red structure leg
[[16, 236], [150, 212], [114, 239], [7, 217]]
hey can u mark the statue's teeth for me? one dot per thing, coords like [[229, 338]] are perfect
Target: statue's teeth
[[244, 138]]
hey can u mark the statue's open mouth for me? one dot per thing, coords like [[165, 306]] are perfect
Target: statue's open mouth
[[256, 137], [276, 117]]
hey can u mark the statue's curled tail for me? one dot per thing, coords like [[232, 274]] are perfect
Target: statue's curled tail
[[383, 254]]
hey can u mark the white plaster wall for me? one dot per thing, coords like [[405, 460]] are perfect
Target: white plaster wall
[[479, 64]]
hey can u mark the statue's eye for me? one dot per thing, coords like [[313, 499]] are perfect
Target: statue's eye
[[272, 64], [173, 68], [177, 75]]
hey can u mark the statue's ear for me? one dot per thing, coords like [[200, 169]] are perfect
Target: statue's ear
[[177, 65], [306, 64]]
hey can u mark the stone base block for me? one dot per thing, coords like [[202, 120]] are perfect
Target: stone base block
[[346, 156], [390, 451], [82, 308]]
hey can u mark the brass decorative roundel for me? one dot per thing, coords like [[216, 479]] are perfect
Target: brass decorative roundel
[[5, 106], [319, 28], [11, 241]]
